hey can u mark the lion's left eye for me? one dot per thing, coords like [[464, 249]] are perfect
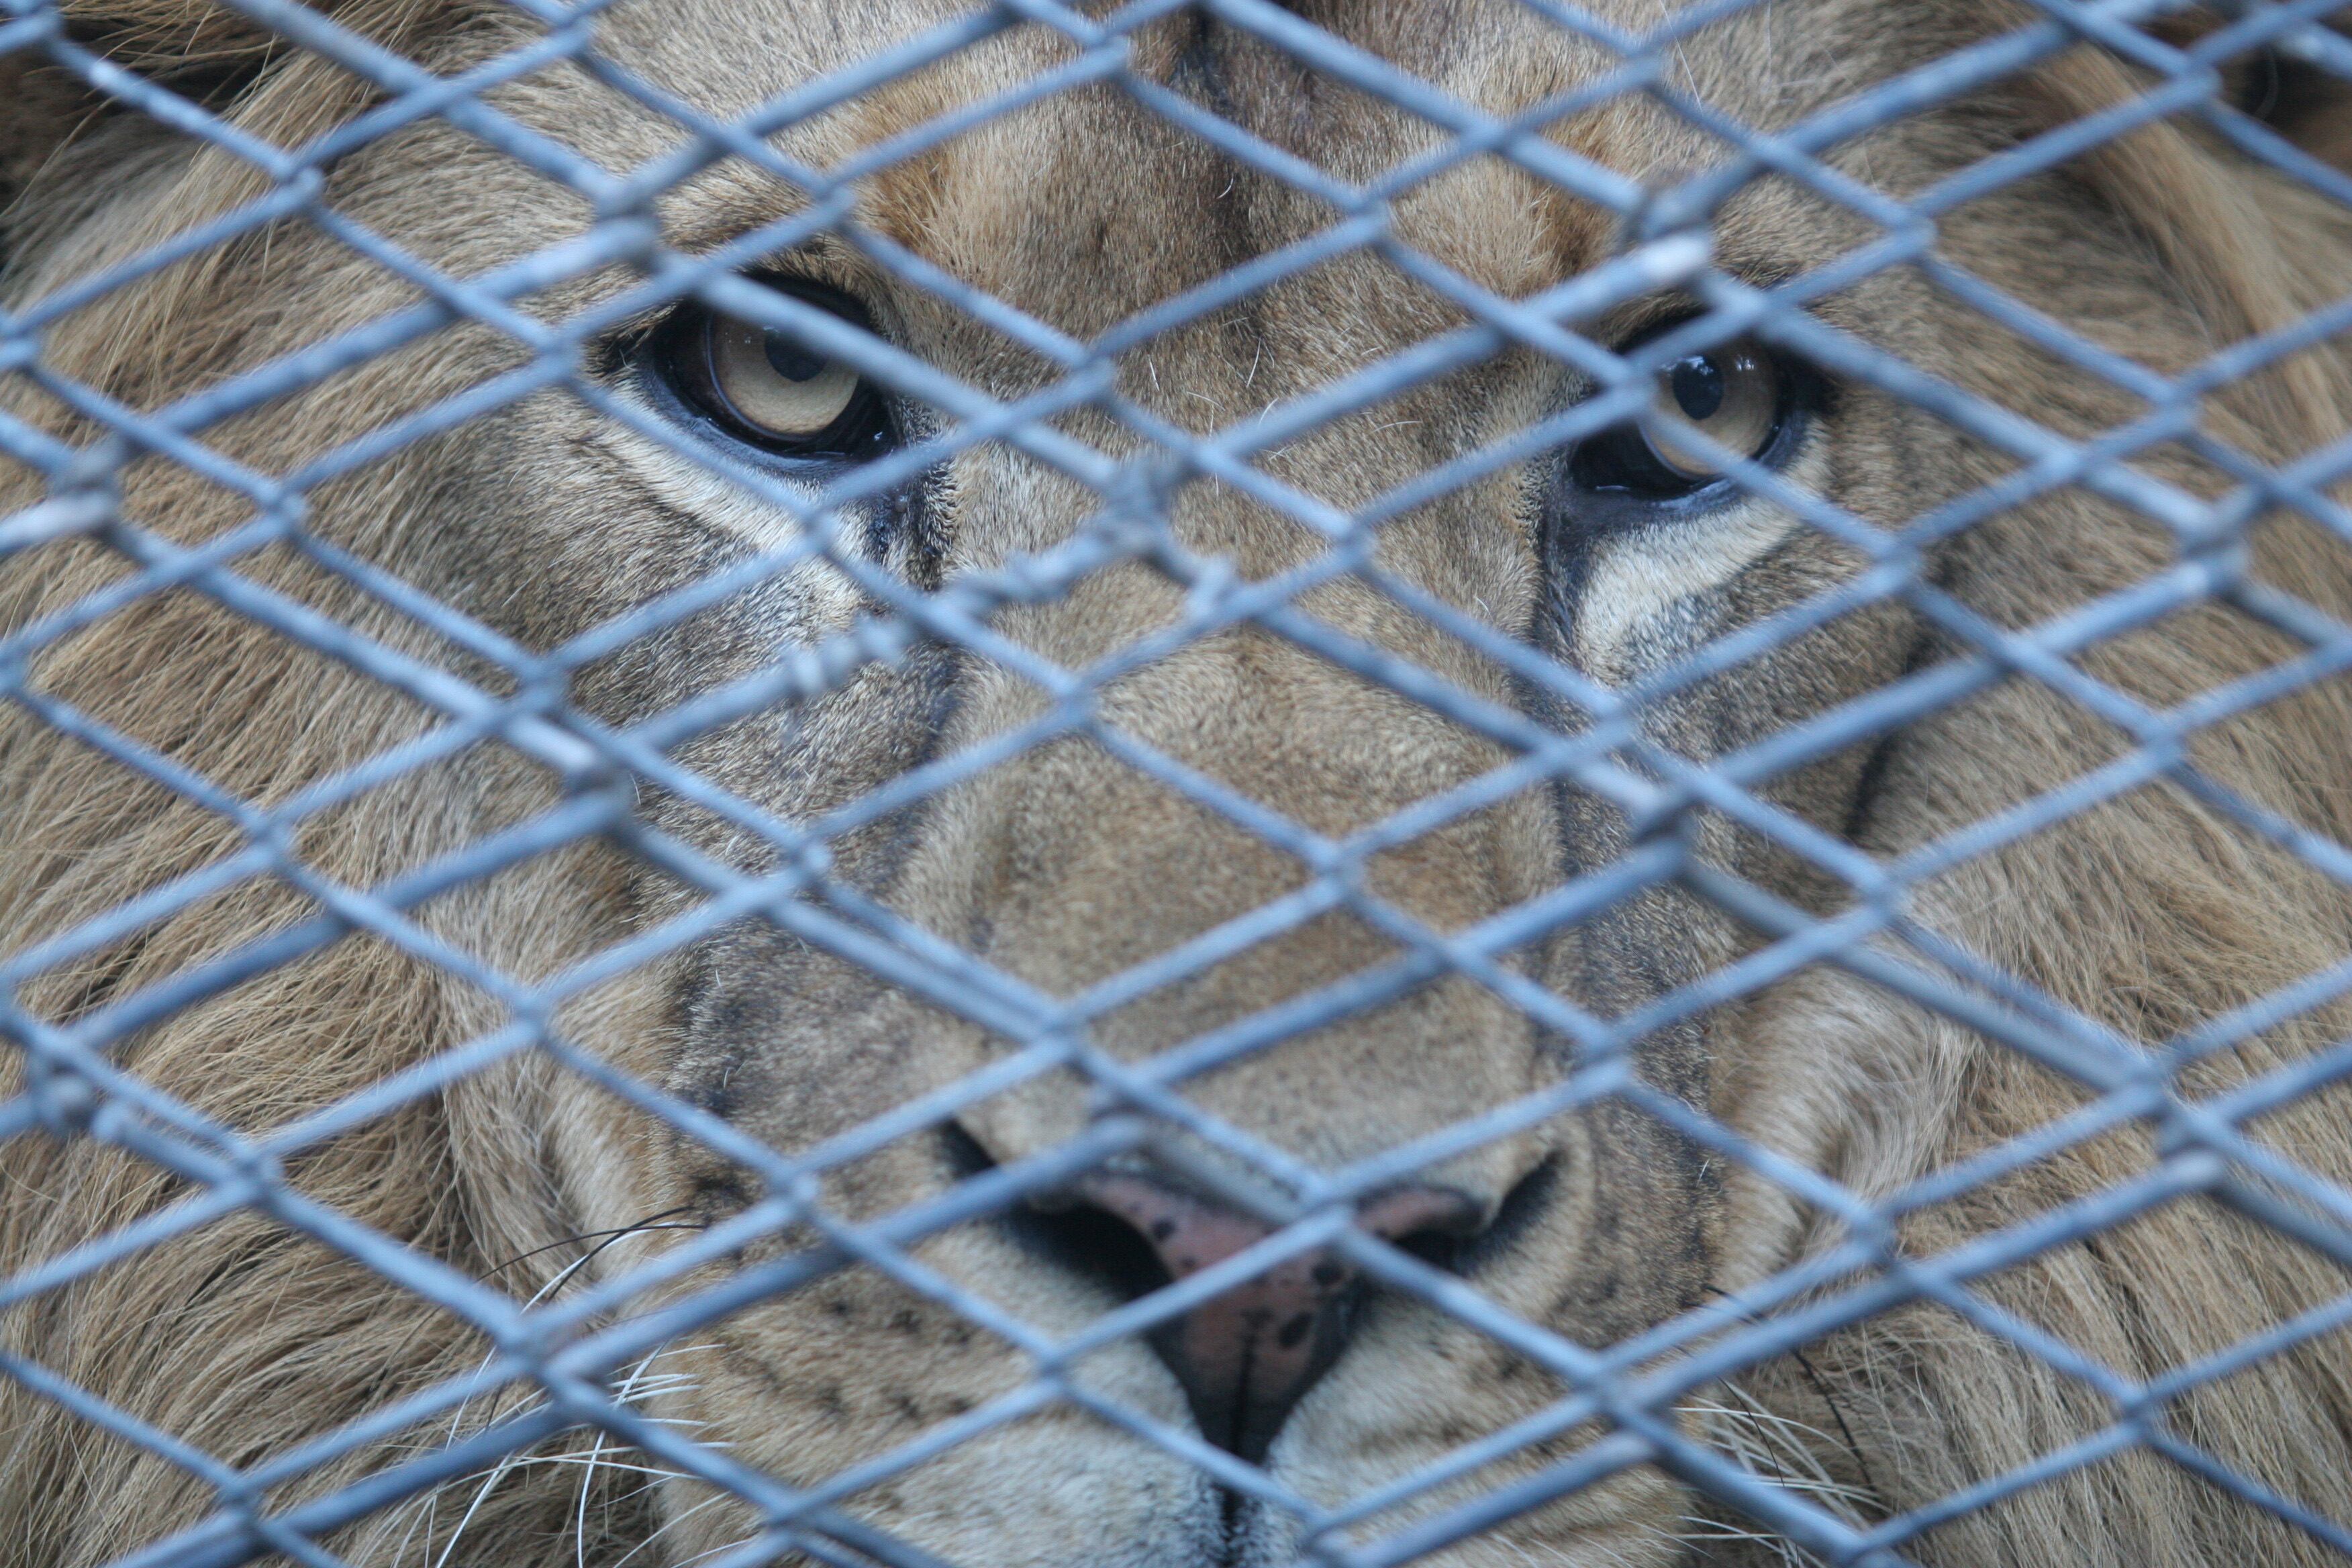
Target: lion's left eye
[[765, 386], [1731, 395], [1742, 396]]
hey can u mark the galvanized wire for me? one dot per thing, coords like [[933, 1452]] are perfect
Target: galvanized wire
[[569, 1349]]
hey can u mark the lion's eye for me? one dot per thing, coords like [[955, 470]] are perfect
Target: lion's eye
[[1732, 395], [764, 386], [776, 386], [1737, 396]]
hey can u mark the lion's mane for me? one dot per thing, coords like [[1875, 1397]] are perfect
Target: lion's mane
[[232, 1328]]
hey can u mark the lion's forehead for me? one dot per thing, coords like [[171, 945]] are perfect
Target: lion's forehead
[[1167, 157]]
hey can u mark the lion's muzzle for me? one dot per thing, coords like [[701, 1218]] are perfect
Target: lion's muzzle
[[1245, 1358]]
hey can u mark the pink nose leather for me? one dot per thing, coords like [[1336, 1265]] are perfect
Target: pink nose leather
[[1246, 1357]]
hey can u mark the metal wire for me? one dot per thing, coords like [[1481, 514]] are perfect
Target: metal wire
[[562, 1362]]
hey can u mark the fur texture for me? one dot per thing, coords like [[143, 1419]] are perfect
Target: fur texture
[[2152, 913]]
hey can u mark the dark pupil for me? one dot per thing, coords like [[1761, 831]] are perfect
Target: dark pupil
[[793, 362], [1697, 383]]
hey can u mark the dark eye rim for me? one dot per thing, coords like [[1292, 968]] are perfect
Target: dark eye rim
[[1617, 464], [674, 361]]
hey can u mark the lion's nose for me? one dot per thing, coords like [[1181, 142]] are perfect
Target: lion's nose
[[1246, 1357]]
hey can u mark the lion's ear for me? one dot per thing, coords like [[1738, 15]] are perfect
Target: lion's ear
[[2311, 107], [2308, 104]]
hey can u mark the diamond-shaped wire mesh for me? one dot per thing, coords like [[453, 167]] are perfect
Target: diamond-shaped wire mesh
[[1183, 784]]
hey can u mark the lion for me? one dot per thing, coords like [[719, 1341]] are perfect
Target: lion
[[797, 754]]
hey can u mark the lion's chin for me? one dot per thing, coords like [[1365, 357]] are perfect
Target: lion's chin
[[1372, 1456], [1085, 1522], [1655, 1544]]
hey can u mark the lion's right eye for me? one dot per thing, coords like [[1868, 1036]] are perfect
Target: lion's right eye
[[764, 387]]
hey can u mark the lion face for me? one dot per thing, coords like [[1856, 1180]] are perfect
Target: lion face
[[1320, 760], [1084, 855]]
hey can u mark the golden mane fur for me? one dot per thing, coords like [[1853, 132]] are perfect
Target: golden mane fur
[[2154, 915]]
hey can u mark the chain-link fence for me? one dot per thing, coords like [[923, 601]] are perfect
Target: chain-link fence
[[1177, 783]]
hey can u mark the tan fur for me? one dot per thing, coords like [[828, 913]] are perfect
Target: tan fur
[[2150, 916]]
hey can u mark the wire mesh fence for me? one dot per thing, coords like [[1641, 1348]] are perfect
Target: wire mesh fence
[[1177, 783]]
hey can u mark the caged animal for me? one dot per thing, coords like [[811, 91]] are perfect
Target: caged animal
[[687, 418]]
